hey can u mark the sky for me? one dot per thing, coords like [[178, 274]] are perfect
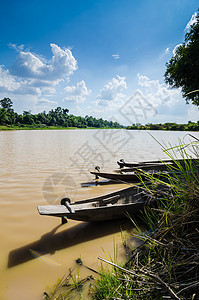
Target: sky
[[104, 58]]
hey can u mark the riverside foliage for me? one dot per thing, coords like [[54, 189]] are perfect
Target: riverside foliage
[[58, 117], [190, 126], [166, 265]]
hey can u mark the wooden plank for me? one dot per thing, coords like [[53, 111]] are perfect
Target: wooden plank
[[111, 199], [52, 209]]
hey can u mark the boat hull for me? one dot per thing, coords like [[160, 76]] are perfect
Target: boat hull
[[117, 176], [123, 164], [127, 176], [116, 205]]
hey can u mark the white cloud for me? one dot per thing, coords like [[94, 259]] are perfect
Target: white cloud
[[26, 89], [23, 102], [33, 75], [193, 113], [10, 84], [44, 101], [63, 62], [164, 54], [77, 93], [168, 103], [16, 47], [112, 91], [192, 21], [116, 56], [49, 90], [32, 66], [44, 104], [7, 82], [167, 50], [158, 93]]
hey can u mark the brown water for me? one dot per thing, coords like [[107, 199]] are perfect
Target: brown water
[[41, 167]]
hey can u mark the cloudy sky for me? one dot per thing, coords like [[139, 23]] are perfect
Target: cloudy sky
[[104, 58]]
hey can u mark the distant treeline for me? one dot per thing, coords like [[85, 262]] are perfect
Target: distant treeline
[[190, 126], [59, 117]]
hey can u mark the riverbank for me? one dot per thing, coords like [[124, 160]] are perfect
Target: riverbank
[[166, 264], [10, 127], [190, 126]]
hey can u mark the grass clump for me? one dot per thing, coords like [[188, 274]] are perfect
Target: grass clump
[[109, 285], [166, 265], [68, 287]]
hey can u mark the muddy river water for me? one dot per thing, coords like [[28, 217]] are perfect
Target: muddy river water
[[41, 167]]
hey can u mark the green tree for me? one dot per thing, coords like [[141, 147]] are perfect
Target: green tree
[[65, 111], [8, 116], [4, 118], [28, 118], [183, 68], [57, 117], [6, 103]]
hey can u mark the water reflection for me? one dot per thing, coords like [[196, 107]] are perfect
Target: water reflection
[[98, 182], [52, 241]]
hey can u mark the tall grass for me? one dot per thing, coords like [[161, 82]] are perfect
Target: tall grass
[[166, 265]]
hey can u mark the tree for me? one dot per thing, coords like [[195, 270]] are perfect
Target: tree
[[183, 68], [65, 111], [57, 117], [28, 118], [4, 119], [6, 103]]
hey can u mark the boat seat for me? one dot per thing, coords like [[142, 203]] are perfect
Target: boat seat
[[110, 200], [75, 207]]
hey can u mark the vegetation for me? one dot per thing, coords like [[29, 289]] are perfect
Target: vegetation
[[70, 286], [166, 265], [57, 118], [183, 68], [190, 126]]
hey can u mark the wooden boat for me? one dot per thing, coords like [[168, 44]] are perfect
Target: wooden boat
[[123, 164], [146, 167], [142, 170], [127, 175], [111, 206]]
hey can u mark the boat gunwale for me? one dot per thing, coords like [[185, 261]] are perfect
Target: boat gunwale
[[119, 192]]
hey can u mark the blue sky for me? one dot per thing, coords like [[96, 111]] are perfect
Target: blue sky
[[102, 58]]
